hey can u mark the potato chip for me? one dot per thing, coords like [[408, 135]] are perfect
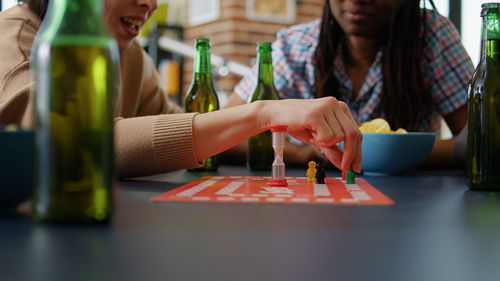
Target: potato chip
[[400, 131], [379, 125]]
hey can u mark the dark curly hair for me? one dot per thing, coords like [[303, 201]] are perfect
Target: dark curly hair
[[405, 100]]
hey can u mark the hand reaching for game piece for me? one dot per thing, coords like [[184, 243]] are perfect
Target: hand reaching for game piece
[[323, 122]]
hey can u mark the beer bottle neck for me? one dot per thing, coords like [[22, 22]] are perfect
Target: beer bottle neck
[[490, 37], [202, 63], [74, 17], [265, 73]]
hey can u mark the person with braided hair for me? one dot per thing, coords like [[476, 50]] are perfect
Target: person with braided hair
[[383, 58]]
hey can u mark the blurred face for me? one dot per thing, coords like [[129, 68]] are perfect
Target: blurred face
[[126, 17], [364, 18]]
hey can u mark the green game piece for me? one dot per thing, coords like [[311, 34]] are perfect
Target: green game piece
[[350, 177]]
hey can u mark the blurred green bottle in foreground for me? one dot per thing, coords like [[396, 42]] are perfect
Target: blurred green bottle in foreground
[[74, 64], [201, 96], [483, 107], [260, 150]]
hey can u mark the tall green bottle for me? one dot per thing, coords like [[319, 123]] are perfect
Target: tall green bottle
[[260, 149], [483, 107], [201, 96], [74, 61]]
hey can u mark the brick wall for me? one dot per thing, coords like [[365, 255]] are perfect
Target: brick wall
[[234, 37]]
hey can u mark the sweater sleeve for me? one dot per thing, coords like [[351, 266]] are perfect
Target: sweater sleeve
[[154, 144], [18, 27]]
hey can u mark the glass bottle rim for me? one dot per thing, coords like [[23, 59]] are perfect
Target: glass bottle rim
[[264, 46], [205, 42], [488, 8], [491, 5]]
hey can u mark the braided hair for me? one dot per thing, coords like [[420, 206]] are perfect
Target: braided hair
[[405, 100]]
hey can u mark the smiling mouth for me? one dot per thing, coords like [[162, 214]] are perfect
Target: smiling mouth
[[131, 23]]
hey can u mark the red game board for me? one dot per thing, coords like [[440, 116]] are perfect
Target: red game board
[[258, 190]]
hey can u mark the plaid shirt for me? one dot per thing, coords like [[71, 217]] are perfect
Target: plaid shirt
[[446, 66]]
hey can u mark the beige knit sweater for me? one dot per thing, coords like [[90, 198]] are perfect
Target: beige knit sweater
[[148, 140]]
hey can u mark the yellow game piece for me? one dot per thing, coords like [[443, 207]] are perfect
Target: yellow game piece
[[311, 172]]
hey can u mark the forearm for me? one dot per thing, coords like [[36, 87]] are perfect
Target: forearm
[[220, 130], [441, 155]]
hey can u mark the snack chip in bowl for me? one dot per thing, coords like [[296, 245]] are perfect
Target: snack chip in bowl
[[385, 151], [379, 125]]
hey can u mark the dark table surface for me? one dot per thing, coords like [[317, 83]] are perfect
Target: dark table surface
[[436, 230]]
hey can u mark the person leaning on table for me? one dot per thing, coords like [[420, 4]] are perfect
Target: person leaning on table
[[151, 135], [384, 58]]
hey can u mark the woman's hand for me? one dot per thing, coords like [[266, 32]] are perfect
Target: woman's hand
[[323, 122]]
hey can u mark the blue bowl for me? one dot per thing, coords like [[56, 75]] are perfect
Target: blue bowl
[[16, 168], [384, 154]]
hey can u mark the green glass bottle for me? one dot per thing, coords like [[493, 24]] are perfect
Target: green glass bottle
[[483, 108], [74, 62], [201, 96], [260, 149]]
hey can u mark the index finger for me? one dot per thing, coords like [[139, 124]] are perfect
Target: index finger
[[352, 141]]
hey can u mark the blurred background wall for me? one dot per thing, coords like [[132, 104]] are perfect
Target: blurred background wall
[[235, 26], [240, 25]]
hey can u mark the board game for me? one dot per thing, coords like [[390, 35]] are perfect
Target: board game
[[258, 190]]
